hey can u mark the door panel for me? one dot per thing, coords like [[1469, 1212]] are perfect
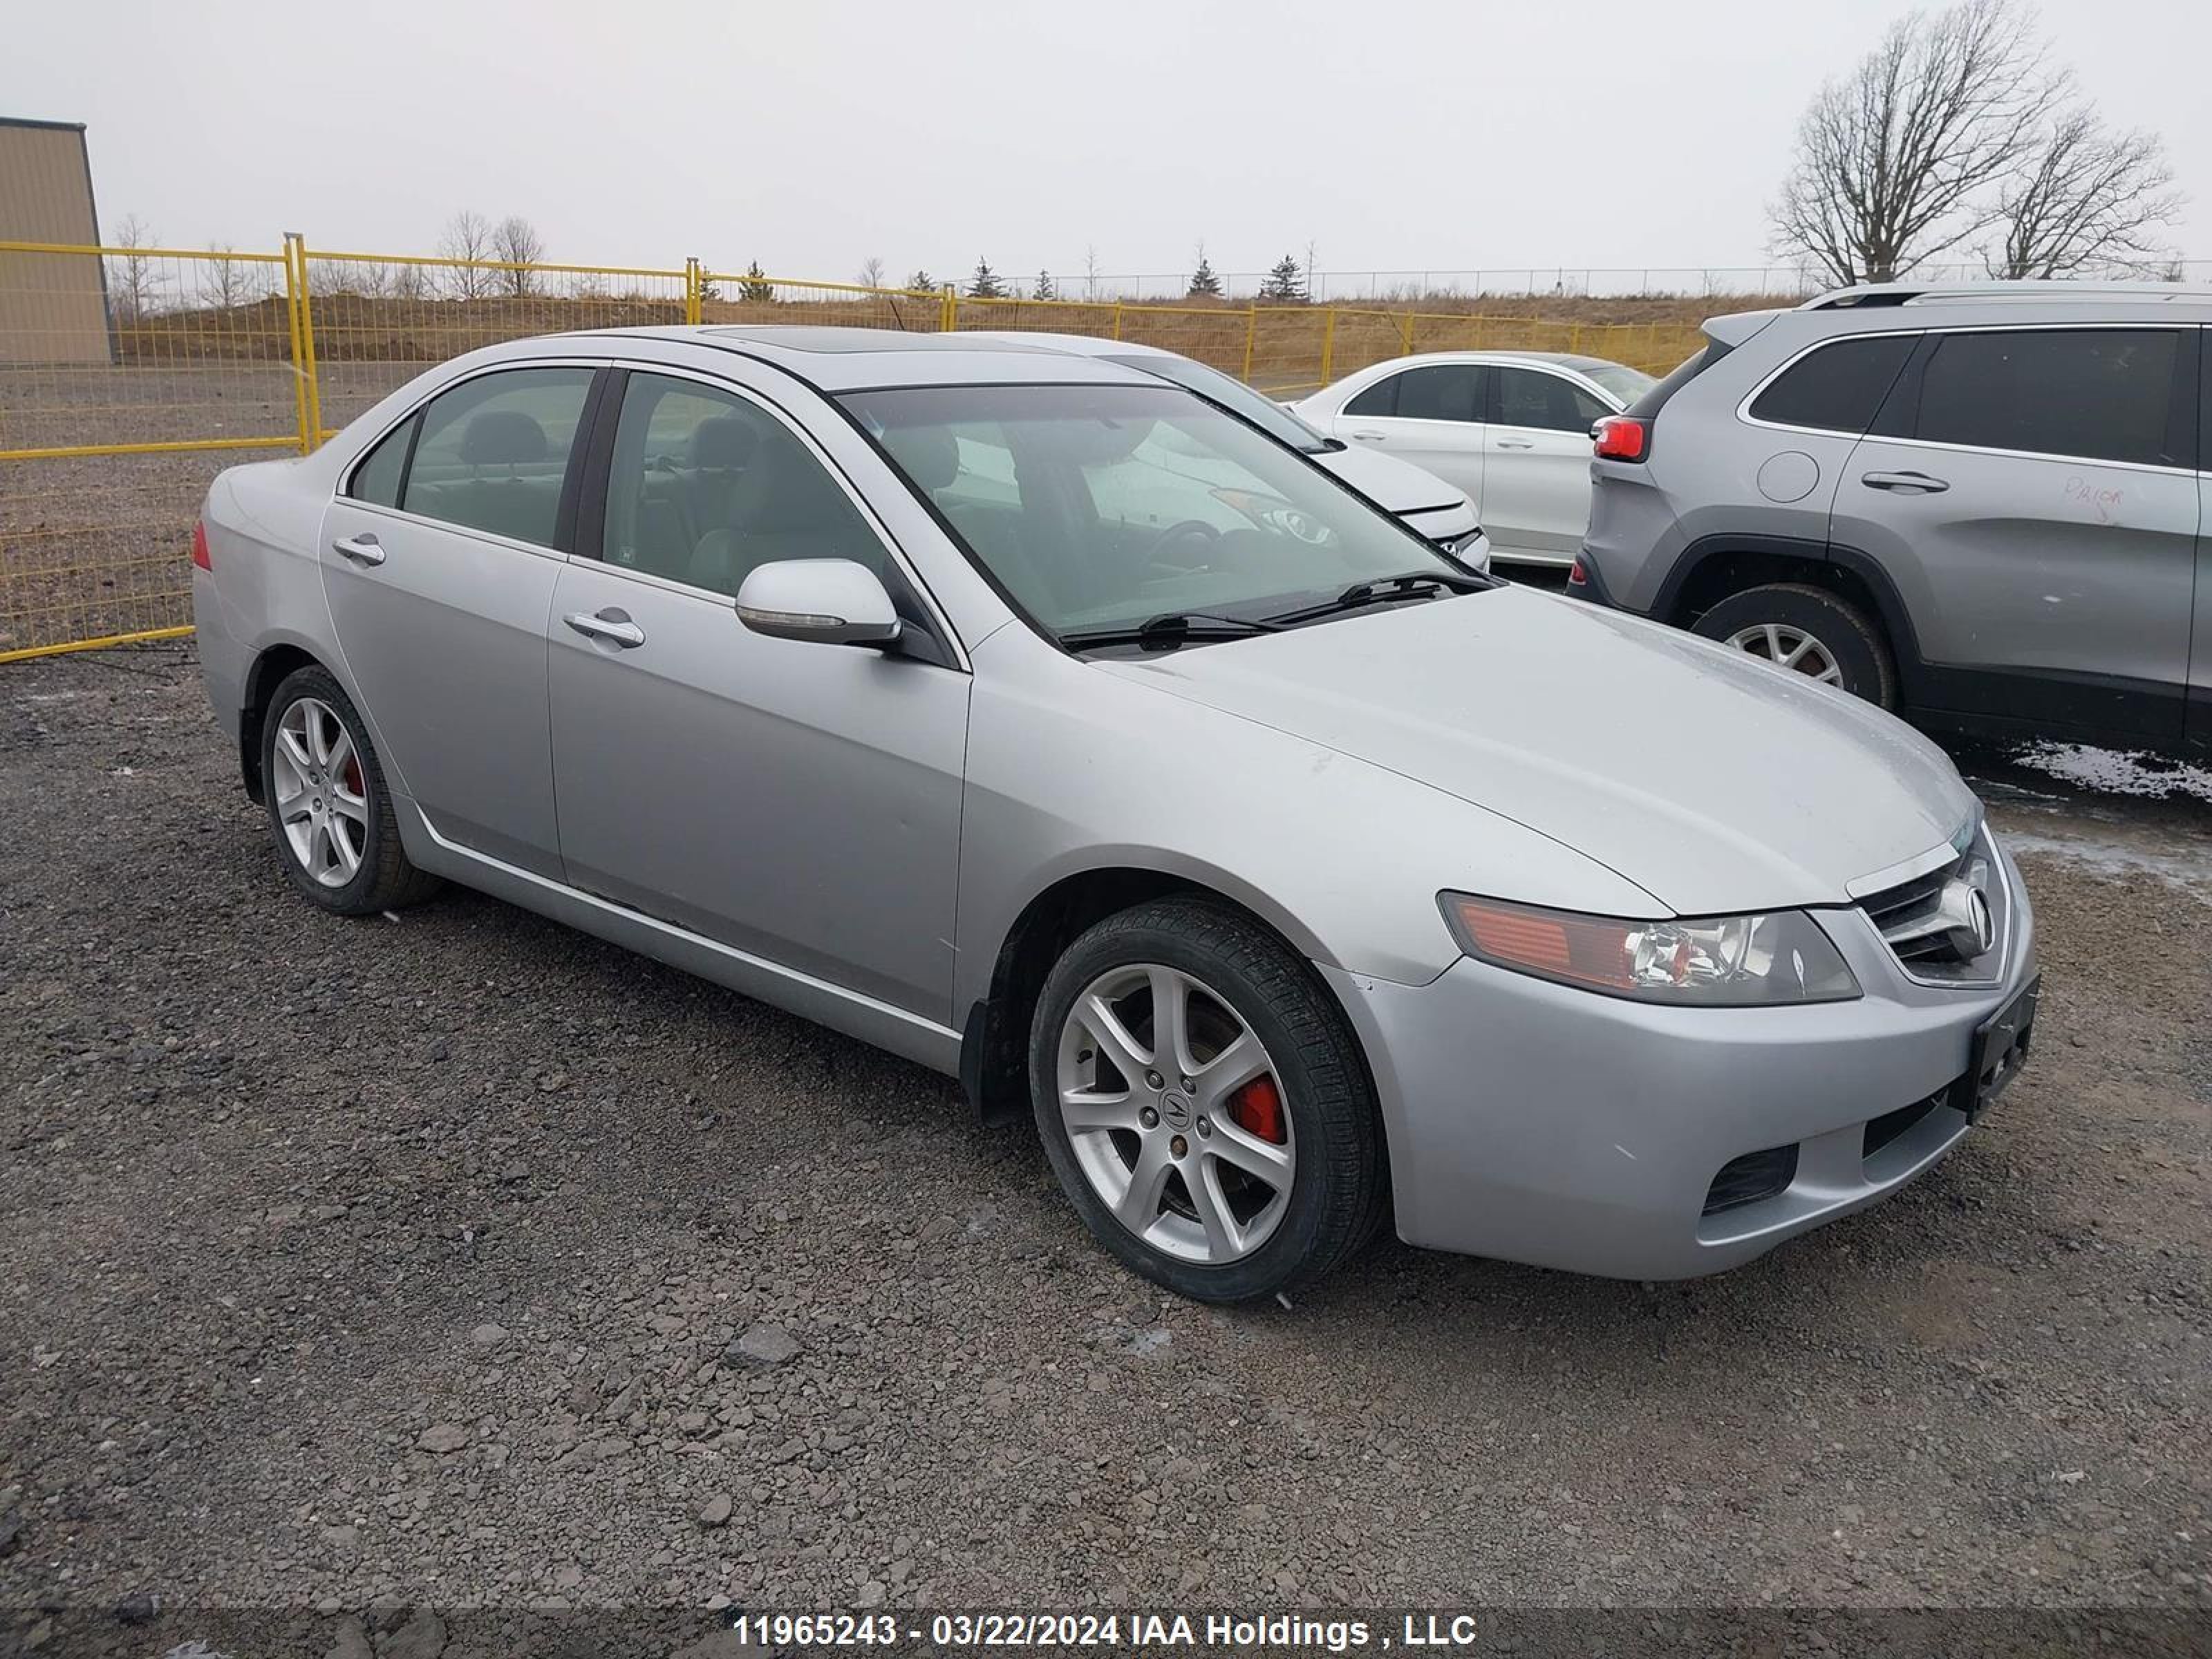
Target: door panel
[[798, 801], [1537, 462], [1429, 415], [2035, 566], [2199, 660]]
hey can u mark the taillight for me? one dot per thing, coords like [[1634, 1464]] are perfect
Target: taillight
[[1576, 576], [200, 547], [1621, 438]]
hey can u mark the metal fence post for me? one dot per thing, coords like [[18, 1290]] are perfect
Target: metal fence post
[[1327, 344], [294, 287], [1251, 333], [692, 289], [1407, 330], [311, 437], [1117, 320], [948, 318]]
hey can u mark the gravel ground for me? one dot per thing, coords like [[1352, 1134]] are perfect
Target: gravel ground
[[459, 1258]]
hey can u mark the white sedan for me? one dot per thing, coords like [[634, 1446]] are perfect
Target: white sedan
[[1439, 513], [1511, 428]]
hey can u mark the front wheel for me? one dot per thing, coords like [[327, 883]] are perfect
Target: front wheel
[[1204, 1103], [1809, 631]]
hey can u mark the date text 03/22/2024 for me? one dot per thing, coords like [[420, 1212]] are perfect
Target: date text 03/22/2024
[[1415, 1630]]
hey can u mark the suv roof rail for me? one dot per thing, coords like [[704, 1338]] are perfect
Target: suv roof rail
[[2058, 291]]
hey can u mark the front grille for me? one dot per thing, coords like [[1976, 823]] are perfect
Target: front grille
[[1890, 1125], [1753, 1176], [1909, 918]]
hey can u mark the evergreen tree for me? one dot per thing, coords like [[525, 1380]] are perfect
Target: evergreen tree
[[922, 281], [984, 283], [1204, 284], [1286, 284], [1045, 290], [754, 286]]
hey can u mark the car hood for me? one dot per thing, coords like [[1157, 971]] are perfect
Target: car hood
[[1394, 485], [1714, 782]]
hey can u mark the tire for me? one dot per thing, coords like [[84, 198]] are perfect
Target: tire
[[1233, 973], [311, 716], [1850, 639]]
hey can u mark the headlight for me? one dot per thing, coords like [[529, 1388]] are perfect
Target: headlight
[[1724, 962]]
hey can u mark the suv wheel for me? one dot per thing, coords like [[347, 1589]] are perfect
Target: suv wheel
[[328, 803], [1204, 1103], [1810, 631]]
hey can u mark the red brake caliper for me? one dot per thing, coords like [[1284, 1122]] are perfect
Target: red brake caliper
[[1257, 1109]]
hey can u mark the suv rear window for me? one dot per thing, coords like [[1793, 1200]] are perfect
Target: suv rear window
[[2102, 394], [1836, 387]]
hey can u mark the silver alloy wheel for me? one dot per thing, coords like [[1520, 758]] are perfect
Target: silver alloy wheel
[[322, 794], [1150, 1059], [1789, 648]]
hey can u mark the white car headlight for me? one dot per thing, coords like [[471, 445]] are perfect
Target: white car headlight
[[1721, 962]]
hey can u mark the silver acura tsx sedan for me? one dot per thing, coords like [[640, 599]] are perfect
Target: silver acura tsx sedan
[[1287, 871]]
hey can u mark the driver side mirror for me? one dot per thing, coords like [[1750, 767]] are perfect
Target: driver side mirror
[[828, 601]]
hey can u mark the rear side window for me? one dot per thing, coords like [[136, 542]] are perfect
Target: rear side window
[[1434, 391], [1837, 387], [495, 452], [1530, 398], [378, 478], [2102, 394]]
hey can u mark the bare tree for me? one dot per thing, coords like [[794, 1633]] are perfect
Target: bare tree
[[467, 236], [227, 282], [2088, 197], [516, 240], [410, 282], [134, 281], [1090, 272], [872, 271], [1898, 161]]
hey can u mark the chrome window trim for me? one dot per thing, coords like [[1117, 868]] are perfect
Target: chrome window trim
[[961, 662], [489, 538], [1744, 415]]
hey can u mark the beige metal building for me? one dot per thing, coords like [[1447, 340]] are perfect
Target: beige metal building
[[53, 307]]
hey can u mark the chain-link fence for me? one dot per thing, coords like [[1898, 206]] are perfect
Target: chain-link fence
[[130, 376]]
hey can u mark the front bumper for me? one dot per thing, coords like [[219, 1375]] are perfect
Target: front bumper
[[1536, 1122]]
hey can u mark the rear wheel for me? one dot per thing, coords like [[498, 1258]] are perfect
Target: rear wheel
[[1809, 631], [328, 803], [1204, 1103]]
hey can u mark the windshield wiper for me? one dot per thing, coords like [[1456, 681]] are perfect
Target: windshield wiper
[[1173, 627], [1382, 590]]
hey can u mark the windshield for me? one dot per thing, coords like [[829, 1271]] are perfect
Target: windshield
[[1625, 383], [1233, 395], [1105, 507]]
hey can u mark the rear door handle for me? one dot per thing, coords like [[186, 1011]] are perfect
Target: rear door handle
[[1517, 443], [1918, 483], [610, 625], [361, 549], [1368, 437]]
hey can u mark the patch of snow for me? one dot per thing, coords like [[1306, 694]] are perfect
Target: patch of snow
[[2118, 772]]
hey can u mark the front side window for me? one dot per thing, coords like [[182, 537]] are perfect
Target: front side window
[[706, 486], [1548, 403], [1097, 507], [494, 451], [1838, 387], [2103, 394]]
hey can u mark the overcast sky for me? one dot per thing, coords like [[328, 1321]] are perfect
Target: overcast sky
[[1444, 135]]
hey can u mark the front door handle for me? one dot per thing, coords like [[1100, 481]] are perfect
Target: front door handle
[[361, 549], [1918, 483], [611, 625]]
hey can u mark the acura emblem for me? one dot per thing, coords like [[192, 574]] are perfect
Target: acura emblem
[[1964, 913]]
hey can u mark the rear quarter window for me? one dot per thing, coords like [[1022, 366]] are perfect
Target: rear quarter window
[[1836, 387]]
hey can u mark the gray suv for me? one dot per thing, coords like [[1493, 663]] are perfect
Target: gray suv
[[1986, 507]]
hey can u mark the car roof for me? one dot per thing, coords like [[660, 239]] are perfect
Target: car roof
[[1573, 360], [1923, 304], [1081, 345], [839, 359]]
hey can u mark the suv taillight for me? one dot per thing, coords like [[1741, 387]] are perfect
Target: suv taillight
[[200, 547], [1621, 438]]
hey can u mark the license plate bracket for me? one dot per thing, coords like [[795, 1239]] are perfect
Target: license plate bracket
[[2000, 1046]]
